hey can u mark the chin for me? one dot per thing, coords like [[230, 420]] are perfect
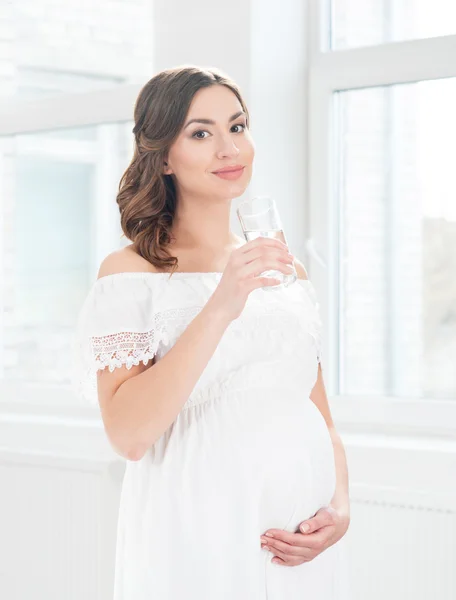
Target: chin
[[225, 188], [233, 188], [231, 191]]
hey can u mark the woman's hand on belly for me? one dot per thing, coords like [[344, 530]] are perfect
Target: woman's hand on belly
[[326, 528]]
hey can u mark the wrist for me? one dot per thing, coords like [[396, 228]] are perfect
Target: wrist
[[343, 510], [216, 314]]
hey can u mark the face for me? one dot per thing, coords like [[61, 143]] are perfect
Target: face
[[202, 149]]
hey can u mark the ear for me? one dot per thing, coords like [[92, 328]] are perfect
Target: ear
[[167, 169]]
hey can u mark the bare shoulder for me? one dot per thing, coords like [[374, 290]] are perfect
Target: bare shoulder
[[124, 260], [300, 269]]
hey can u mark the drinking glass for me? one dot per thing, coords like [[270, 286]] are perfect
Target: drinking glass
[[259, 216]]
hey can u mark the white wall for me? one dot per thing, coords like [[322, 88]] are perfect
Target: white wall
[[262, 45]]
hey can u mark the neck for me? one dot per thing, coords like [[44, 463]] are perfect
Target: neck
[[203, 224]]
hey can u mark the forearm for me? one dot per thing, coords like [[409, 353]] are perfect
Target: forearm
[[145, 406], [341, 498]]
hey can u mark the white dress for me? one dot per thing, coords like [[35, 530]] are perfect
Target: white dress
[[248, 452]]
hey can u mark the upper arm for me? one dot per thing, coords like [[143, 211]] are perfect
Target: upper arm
[[108, 382]]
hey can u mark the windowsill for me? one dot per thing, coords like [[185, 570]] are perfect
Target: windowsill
[[395, 416], [25, 403]]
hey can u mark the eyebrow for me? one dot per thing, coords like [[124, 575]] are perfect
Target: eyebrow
[[210, 122]]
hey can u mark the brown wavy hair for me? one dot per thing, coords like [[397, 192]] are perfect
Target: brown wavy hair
[[147, 197]]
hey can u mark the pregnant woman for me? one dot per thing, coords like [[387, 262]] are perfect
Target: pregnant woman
[[209, 384]]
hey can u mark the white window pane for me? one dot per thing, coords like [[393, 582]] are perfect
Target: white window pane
[[369, 22], [398, 239], [59, 219], [50, 48]]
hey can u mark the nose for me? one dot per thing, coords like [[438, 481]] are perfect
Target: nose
[[227, 147]]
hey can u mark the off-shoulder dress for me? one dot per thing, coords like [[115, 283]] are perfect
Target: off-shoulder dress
[[249, 450]]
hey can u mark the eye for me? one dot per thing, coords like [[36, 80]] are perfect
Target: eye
[[240, 125], [197, 132], [197, 135]]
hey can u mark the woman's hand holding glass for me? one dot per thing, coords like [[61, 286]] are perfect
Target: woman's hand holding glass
[[241, 275]]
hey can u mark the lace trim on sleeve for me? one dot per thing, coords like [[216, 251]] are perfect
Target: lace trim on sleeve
[[124, 348], [94, 353]]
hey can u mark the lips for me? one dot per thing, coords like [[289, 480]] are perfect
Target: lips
[[229, 170], [230, 173]]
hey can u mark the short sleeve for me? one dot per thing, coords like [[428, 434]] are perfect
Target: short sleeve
[[117, 325], [314, 322]]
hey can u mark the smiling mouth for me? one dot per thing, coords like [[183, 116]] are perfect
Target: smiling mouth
[[232, 174], [224, 171]]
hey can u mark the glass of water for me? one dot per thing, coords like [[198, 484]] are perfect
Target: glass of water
[[260, 217]]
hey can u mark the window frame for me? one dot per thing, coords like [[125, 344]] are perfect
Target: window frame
[[328, 71], [65, 111], [331, 71]]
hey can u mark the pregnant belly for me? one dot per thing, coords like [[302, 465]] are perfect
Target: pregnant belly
[[295, 462], [266, 451]]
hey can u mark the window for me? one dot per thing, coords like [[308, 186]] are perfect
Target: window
[[382, 209], [398, 239], [68, 47], [60, 189], [370, 22], [70, 73]]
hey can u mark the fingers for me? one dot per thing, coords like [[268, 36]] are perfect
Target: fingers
[[284, 548], [263, 241], [292, 549], [270, 254], [261, 255], [325, 516], [288, 561], [305, 549], [290, 538], [264, 261], [294, 543], [292, 555]]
